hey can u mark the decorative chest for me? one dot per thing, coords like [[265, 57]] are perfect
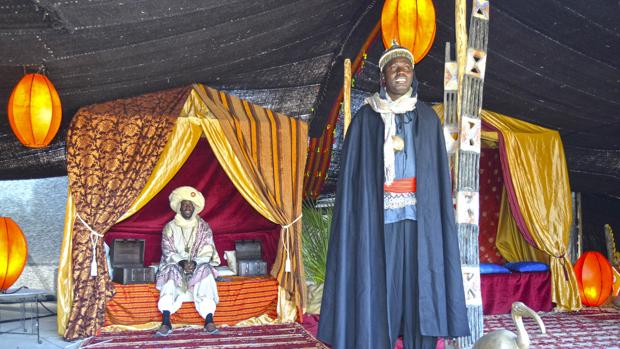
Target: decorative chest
[[127, 258], [249, 258], [251, 267]]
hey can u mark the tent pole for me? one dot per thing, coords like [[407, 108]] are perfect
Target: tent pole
[[346, 100], [467, 159]]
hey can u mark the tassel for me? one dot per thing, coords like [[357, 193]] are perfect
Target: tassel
[[287, 265], [93, 263]]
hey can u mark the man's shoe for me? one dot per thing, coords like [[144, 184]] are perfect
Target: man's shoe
[[164, 330], [210, 328]]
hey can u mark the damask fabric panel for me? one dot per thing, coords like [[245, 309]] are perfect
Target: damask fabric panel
[[491, 184], [112, 149]]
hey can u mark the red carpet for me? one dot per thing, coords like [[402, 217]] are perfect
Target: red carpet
[[289, 336], [591, 328]]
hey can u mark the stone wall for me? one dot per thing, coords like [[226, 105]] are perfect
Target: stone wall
[[38, 207]]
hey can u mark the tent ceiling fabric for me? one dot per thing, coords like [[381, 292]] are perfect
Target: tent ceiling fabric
[[554, 63]]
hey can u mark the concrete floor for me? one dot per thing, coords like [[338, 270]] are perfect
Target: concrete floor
[[19, 339]]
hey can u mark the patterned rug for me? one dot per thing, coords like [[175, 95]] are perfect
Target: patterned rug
[[289, 336], [591, 328]]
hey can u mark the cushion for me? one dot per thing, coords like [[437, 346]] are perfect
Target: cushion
[[223, 270], [231, 260], [524, 267], [490, 268]]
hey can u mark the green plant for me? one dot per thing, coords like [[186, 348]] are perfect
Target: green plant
[[316, 223]]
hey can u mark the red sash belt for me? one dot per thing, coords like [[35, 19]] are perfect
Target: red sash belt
[[403, 185]]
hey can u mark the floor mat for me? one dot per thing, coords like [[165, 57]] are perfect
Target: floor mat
[[591, 328], [288, 336]]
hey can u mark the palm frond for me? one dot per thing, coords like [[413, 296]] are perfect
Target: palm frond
[[316, 223]]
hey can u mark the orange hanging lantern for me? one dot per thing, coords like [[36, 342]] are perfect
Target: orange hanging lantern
[[594, 277], [34, 111], [411, 23], [13, 252]]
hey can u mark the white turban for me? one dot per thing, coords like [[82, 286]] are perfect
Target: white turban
[[187, 193]]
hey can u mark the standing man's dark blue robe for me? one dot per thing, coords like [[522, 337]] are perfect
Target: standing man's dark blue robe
[[354, 308]]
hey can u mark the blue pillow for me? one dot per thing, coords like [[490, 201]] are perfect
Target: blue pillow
[[524, 267], [489, 268]]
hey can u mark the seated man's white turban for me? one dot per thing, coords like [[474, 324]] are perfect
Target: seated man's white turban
[[187, 193]]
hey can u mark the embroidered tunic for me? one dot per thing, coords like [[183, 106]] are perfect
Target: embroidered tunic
[[186, 244]]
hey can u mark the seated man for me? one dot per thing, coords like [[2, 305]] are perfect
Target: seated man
[[187, 261]]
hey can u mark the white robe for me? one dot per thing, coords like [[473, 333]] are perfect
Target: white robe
[[192, 244]]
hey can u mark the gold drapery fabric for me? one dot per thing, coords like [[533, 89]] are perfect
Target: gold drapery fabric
[[509, 240], [112, 149], [264, 155], [194, 118], [539, 177], [183, 140], [64, 283]]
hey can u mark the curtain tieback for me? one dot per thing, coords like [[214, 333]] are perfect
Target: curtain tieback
[[563, 263], [94, 238], [286, 236]]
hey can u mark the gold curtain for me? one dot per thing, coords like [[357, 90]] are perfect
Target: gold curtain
[[509, 241], [264, 154], [64, 283], [112, 149], [183, 140], [187, 130], [540, 180]]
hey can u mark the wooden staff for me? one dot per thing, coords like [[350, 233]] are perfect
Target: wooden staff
[[346, 99]]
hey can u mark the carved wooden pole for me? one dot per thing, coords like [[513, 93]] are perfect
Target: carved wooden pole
[[467, 163]]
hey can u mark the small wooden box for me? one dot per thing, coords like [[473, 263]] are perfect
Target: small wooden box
[[133, 275], [248, 249], [127, 253], [251, 267], [127, 258]]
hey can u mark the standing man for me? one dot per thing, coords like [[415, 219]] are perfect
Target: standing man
[[187, 263], [393, 265]]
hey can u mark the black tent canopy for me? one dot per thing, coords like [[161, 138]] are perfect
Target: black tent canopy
[[554, 63]]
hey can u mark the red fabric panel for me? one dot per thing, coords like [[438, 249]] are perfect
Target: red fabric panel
[[230, 216], [499, 291], [491, 184]]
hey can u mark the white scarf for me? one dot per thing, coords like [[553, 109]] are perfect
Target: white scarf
[[388, 110], [186, 223]]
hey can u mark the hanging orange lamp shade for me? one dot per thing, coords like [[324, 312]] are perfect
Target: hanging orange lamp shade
[[411, 23], [13, 252], [34, 111], [594, 277]]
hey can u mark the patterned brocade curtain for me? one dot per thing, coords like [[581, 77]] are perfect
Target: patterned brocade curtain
[[112, 149], [264, 154]]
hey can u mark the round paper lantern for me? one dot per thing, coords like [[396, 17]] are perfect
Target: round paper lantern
[[411, 23], [34, 111], [594, 277], [13, 252]]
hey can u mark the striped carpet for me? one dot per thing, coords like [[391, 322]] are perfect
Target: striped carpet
[[591, 328], [289, 336]]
